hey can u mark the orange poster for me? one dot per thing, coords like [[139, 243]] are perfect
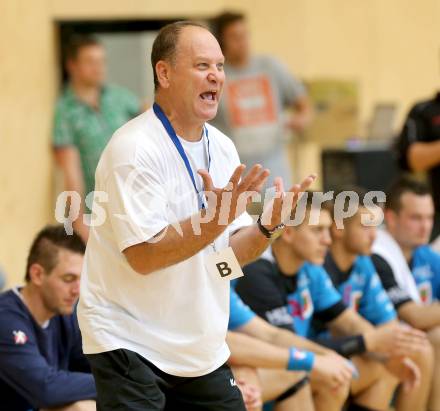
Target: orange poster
[[251, 102]]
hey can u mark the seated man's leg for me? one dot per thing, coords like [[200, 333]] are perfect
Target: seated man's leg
[[417, 399], [375, 387], [326, 398], [287, 388], [77, 406], [434, 399]]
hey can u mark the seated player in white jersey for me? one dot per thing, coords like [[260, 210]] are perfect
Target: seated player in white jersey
[[408, 267]]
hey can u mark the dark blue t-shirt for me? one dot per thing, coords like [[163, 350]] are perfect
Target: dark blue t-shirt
[[40, 367]]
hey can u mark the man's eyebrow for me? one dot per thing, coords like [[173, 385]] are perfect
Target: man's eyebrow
[[70, 274], [204, 57]]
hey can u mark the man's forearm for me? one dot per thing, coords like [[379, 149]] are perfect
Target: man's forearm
[[78, 224], [423, 317], [262, 330], [285, 338], [423, 156], [170, 247], [248, 243], [350, 323], [68, 160], [246, 350]]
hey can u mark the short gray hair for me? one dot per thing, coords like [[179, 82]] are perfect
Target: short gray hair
[[165, 44]]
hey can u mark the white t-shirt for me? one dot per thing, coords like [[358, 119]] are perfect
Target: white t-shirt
[[175, 317], [197, 153]]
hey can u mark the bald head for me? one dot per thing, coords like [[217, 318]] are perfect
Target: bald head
[[168, 42]]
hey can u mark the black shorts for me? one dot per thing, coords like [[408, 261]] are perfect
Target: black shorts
[[125, 381]]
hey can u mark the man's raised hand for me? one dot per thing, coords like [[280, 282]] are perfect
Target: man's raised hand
[[229, 202], [278, 210]]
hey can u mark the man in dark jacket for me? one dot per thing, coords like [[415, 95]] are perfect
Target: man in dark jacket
[[41, 360]]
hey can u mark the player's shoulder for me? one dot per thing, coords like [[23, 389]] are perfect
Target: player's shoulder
[[426, 252], [260, 277], [366, 265], [9, 301], [260, 267], [313, 270], [14, 316], [314, 275]]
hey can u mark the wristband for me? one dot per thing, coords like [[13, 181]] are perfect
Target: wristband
[[354, 345], [345, 346], [300, 360]]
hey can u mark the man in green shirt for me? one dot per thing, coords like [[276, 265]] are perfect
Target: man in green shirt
[[86, 115]]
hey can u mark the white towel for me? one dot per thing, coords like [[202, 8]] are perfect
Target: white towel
[[435, 245], [386, 247]]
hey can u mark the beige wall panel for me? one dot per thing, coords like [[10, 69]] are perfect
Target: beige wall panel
[[68, 9], [27, 90]]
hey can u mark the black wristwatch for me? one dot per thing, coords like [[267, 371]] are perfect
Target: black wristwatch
[[270, 233]]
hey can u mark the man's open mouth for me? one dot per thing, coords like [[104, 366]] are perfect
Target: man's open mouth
[[209, 95]]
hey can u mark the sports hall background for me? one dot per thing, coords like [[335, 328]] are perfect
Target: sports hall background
[[388, 48]]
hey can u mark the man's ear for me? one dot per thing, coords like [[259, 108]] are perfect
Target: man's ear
[[163, 73], [36, 273]]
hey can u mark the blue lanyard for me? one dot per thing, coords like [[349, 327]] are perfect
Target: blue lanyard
[[173, 136]]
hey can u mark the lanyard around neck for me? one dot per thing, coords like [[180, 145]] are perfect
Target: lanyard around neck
[[173, 136]]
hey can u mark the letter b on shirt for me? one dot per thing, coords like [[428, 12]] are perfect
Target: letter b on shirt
[[224, 263], [223, 268]]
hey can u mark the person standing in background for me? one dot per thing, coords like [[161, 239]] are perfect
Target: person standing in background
[[258, 90], [86, 115], [418, 148]]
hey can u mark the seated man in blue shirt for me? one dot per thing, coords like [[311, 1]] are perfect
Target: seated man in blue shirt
[[288, 286], [41, 361], [408, 267], [352, 272], [283, 361]]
